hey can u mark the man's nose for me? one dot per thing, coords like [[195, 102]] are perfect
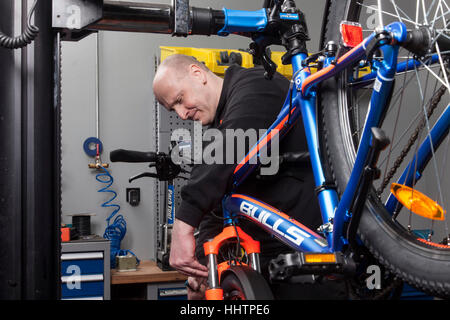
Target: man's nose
[[182, 113]]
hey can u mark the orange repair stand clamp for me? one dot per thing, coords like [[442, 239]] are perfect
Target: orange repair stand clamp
[[213, 246]]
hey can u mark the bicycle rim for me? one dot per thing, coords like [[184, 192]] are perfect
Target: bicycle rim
[[420, 96]]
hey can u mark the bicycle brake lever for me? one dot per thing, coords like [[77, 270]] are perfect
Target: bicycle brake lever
[[141, 175], [258, 50], [269, 66]]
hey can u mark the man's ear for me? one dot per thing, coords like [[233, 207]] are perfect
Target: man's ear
[[197, 73]]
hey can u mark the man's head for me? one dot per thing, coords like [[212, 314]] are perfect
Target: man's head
[[186, 86]]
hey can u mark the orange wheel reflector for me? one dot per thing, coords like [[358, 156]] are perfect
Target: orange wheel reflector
[[417, 202], [320, 258]]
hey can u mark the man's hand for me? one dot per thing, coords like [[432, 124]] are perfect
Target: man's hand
[[196, 288], [182, 251]]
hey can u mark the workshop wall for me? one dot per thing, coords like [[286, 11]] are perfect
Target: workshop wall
[[126, 116]]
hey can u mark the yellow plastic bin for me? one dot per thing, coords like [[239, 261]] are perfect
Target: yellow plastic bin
[[218, 60]]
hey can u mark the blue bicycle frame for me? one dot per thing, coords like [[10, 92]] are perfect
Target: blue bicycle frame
[[301, 101]]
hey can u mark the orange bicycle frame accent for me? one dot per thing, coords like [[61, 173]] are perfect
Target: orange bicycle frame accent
[[212, 248]]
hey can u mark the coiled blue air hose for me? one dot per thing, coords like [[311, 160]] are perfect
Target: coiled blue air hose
[[116, 230]]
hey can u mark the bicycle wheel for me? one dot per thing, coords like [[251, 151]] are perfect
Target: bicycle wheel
[[244, 283], [413, 247]]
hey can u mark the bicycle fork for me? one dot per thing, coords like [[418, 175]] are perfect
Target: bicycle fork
[[215, 270]]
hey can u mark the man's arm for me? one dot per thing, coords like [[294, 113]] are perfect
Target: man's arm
[[182, 251]]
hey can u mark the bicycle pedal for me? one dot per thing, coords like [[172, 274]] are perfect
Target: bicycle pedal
[[287, 266]]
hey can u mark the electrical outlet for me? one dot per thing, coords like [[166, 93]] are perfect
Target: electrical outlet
[[133, 196]]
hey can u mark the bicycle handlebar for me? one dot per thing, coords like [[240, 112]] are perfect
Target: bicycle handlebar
[[122, 155]]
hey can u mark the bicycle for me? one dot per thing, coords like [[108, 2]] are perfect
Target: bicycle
[[343, 155], [345, 140]]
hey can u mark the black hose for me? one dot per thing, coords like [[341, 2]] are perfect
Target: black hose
[[25, 38]]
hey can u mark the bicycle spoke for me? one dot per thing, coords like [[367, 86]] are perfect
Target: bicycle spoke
[[431, 6], [380, 15], [395, 125], [400, 139], [427, 123], [396, 11], [416, 117], [435, 13], [436, 76], [442, 65], [443, 16], [404, 13], [414, 178], [417, 12], [389, 14], [440, 34]]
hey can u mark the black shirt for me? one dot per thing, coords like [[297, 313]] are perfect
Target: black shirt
[[249, 101]]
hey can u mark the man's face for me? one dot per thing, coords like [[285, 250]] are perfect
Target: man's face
[[188, 95]]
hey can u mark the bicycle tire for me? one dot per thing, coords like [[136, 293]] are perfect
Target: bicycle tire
[[422, 264], [244, 283]]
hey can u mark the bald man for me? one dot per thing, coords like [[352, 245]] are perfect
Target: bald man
[[245, 100], [186, 86]]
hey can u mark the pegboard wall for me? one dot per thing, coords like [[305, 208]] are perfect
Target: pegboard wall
[[166, 123]]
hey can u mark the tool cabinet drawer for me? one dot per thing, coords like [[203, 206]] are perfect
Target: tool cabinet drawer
[[82, 263]]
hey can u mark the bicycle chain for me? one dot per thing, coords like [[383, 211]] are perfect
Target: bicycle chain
[[433, 102]]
